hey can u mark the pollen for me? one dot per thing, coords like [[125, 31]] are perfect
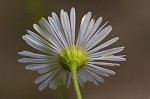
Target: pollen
[[73, 56]]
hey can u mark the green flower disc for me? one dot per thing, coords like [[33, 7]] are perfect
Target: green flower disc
[[73, 56]]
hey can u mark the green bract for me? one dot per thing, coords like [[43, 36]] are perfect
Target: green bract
[[73, 56]]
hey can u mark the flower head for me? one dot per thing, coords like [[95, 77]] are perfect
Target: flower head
[[63, 55], [72, 55]]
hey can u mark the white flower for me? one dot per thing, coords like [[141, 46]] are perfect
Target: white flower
[[62, 48]]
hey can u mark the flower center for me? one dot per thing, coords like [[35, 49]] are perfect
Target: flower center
[[72, 56]]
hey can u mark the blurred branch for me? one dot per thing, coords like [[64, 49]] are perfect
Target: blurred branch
[[36, 9], [62, 92]]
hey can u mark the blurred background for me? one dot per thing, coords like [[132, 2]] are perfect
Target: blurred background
[[130, 20]]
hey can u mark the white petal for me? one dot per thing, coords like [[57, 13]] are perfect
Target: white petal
[[50, 68], [102, 69], [58, 28], [64, 75], [58, 24], [62, 18], [88, 34], [46, 35], [85, 76], [40, 31], [56, 81], [45, 70], [42, 78], [36, 66], [50, 32], [91, 31], [96, 71], [89, 76], [41, 42], [48, 41], [33, 55], [97, 77], [98, 38], [112, 58], [45, 83], [34, 60], [104, 63], [121, 56], [103, 45], [73, 23], [38, 46], [83, 27], [80, 80], [57, 33], [68, 27], [107, 52], [81, 74]]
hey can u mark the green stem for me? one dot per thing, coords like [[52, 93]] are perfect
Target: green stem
[[75, 82]]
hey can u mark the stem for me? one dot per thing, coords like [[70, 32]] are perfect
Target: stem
[[75, 82]]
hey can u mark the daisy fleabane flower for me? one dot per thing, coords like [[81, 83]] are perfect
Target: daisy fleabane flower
[[66, 54]]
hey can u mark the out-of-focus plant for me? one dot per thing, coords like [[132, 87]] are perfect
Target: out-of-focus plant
[[36, 9]]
